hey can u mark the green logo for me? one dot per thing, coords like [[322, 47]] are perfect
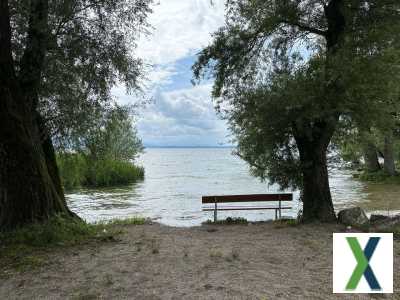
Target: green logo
[[363, 267]]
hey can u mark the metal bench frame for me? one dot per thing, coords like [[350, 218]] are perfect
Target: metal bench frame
[[247, 198]]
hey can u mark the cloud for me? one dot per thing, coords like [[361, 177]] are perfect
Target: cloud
[[180, 115], [183, 117], [180, 29]]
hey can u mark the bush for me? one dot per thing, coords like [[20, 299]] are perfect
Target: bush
[[110, 173], [77, 170], [379, 177], [73, 168]]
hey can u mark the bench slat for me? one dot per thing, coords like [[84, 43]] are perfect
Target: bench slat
[[244, 208], [247, 198]]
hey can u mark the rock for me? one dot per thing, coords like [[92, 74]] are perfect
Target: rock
[[353, 216], [388, 224], [378, 218]]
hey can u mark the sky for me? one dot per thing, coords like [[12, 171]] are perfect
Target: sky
[[179, 113]]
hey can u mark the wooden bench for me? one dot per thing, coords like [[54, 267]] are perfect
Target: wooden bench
[[246, 198]]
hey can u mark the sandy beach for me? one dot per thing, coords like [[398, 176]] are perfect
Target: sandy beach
[[256, 261]]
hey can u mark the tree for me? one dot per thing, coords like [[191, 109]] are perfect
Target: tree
[[104, 155], [51, 54], [285, 110], [116, 139], [388, 152]]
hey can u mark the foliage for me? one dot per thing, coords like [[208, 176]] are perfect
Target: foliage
[[114, 139], [73, 169], [105, 155], [379, 177], [78, 170], [90, 48], [57, 231], [286, 72], [127, 221], [112, 172]]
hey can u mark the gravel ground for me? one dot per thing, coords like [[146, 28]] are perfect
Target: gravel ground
[[257, 261]]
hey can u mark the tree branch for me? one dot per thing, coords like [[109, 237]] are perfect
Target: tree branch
[[306, 28], [35, 51]]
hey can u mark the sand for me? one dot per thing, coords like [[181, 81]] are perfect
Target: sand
[[257, 261]]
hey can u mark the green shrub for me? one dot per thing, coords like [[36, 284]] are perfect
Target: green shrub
[[110, 173], [379, 176], [73, 169], [77, 170]]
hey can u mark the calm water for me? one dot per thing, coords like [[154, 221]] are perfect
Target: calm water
[[177, 178]]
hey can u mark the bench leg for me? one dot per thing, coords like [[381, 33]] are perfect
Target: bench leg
[[215, 212], [276, 214]]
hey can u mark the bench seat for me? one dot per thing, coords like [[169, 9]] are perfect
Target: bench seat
[[215, 200], [243, 208]]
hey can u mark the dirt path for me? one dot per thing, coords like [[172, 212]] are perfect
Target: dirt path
[[210, 262]]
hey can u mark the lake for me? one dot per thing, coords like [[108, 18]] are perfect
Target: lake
[[176, 178]]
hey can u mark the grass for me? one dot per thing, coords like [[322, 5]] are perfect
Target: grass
[[27, 247], [283, 223], [110, 173], [228, 221], [127, 221], [216, 253], [379, 177], [77, 170], [233, 255]]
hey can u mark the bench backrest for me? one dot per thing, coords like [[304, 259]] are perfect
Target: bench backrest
[[247, 198]]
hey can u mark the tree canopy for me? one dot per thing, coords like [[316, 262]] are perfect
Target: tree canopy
[[89, 49], [288, 72], [58, 62]]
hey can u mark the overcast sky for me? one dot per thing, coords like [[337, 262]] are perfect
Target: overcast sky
[[180, 114]]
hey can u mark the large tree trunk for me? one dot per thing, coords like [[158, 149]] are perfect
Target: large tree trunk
[[371, 157], [29, 181], [316, 194], [388, 152], [313, 136], [30, 188]]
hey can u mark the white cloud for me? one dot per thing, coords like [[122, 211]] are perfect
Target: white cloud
[[182, 117], [185, 116], [181, 27]]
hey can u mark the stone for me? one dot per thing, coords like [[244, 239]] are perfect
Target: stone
[[389, 224], [378, 218], [353, 216]]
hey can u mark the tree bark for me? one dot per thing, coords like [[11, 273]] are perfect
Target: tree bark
[[388, 152], [30, 188], [316, 194], [313, 136], [371, 157]]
